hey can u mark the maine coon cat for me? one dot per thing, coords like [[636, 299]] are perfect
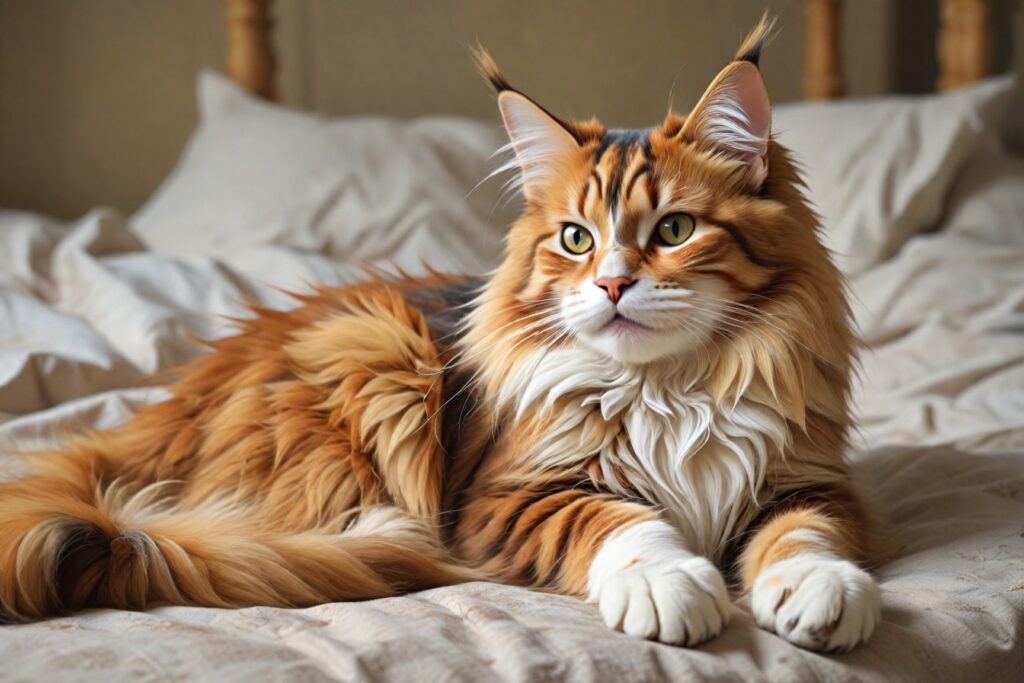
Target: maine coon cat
[[649, 395]]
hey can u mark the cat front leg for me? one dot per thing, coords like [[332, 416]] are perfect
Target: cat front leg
[[648, 585], [559, 533], [801, 567]]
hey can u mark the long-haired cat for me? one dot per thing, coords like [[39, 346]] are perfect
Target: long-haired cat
[[651, 390]]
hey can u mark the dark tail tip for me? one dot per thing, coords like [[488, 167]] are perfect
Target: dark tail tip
[[82, 547]]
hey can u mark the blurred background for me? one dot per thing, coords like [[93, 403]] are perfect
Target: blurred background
[[97, 96]]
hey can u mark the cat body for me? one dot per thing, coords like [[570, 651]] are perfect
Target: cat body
[[649, 396]]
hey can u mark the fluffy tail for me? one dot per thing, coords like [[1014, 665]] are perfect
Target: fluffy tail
[[63, 547]]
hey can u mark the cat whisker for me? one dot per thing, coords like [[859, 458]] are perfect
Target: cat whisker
[[740, 325]]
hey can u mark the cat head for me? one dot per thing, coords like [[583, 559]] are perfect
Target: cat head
[[668, 242]]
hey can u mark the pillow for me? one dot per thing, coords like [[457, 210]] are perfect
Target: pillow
[[374, 190], [986, 203], [879, 170], [383, 190]]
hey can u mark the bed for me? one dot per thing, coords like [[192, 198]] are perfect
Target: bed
[[930, 235]]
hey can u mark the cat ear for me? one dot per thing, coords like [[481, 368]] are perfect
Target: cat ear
[[735, 114], [540, 141]]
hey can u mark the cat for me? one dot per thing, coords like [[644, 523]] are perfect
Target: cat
[[651, 393]]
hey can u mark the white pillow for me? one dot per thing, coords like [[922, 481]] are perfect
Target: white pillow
[[986, 203], [879, 170], [356, 189], [383, 190]]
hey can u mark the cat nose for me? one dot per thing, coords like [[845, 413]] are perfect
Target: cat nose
[[614, 286]]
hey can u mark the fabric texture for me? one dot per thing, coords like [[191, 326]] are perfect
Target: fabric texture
[[878, 170], [371, 190]]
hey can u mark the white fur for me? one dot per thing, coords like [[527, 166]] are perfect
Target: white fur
[[647, 584], [817, 601], [675, 327], [382, 520], [538, 140], [704, 464], [670, 322], [727, 124], [614, 263]]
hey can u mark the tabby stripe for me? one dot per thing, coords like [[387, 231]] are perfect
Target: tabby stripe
[[645, 168], [582, 196], [454, 516], [816, 497], [615, 184], [600, 183], [748, 251], [529, 572], [597, 506], [775, 286], [536, 244], [652, 189], [554, 503], [645, 145], [672, 129], [499, 543], [584, 519], [572, 514], [731, 279], [705, 252]]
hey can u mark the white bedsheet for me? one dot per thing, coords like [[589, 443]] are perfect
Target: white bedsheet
[[86, 314]]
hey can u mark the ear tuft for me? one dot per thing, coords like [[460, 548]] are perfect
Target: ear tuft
[[489, 69], [750, 49]]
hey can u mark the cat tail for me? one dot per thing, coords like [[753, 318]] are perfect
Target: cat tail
[[63, 548]]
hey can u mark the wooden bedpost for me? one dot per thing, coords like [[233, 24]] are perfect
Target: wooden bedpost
[[823, 74], [250, 58], [964, 43]]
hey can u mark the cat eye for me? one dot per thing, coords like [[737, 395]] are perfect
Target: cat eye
[[576, 239], [675, 228]]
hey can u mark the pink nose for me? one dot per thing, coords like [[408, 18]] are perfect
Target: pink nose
[[614, 286]]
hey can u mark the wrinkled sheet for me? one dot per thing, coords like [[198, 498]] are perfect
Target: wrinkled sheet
[[86, 314]]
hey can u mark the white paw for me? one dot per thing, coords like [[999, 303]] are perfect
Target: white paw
[[817, 602], [683, 602]]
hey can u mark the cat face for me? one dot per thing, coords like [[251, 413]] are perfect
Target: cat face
[[634, 250], [642, 244]]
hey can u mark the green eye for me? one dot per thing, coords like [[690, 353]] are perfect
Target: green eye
[[675, 228], [577, 240]]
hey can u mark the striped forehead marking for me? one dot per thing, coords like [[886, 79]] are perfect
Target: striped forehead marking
[[623, 144], [615, 172]]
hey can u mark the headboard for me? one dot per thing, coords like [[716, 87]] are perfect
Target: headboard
[[94, 86], [963, 46]]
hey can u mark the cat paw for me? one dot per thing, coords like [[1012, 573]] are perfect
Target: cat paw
[[683, 602], [818, 603]]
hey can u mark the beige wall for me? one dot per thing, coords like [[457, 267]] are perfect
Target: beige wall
[[97, 96]]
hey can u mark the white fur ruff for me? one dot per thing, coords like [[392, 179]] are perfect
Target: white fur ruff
[[655, 425]]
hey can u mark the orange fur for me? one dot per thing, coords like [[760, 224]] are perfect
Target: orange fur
[[234, 491], [363, 405], [837, 518]]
